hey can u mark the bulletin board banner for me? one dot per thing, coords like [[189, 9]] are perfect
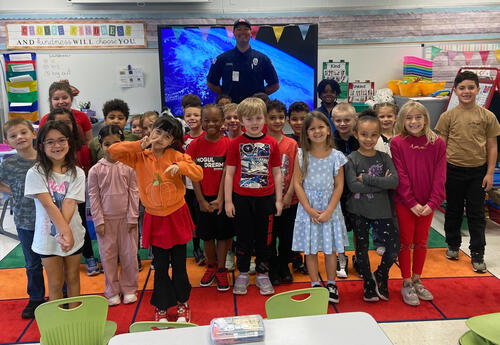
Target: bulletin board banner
[[76, 35]]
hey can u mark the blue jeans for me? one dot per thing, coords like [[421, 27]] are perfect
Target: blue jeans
[[34, 268]]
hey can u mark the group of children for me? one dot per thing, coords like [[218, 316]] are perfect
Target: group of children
[[235, 174]]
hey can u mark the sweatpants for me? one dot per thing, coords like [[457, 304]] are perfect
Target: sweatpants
[[254, 230], [413, 230], [118, 243], [168, 291]]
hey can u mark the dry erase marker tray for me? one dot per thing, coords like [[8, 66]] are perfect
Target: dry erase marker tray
[[237, 329]]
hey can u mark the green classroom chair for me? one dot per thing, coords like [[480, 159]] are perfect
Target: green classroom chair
[[144, 326], [486, 326], [85, 324], [471, 338], [285, 305]]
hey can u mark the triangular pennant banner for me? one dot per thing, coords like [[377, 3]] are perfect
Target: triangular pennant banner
[[177, 31], [484, 55], [434, 52], [468, 56], [451, 55], [255, 30], [278, 31], [497, 54], [204, 31], [304, 28], [229, 32]]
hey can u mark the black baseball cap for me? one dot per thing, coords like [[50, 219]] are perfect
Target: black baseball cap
[[241, 21]]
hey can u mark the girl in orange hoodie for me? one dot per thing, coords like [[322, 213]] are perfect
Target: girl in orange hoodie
[[167, 223]]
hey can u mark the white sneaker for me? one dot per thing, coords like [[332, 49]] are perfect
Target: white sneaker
[[230, 261], [115, 300], [252, 267], [129, 298]]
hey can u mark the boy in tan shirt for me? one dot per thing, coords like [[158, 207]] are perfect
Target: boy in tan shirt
[[470, 133]]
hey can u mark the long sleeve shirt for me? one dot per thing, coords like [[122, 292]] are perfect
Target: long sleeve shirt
[[113, 192], [160, 192], [370, 198], [421, 168]]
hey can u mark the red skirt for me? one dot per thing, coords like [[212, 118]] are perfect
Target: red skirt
[[167, 231]]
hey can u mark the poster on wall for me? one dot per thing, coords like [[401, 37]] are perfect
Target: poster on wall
[[361, 91], [339, 71], [75, 35]]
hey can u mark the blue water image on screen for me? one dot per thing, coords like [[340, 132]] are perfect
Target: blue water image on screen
[[186, 60]]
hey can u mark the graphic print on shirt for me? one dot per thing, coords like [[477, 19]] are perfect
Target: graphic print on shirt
[[254, 165], [58, 193], [374, 170], [215, 163], [285, 169]]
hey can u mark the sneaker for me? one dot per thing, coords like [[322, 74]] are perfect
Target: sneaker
[[409, 294], [183, 312], [422, 292], [199, 257], [160, 315], [380, 250], [286, 275], [252, 267], [342, 266], [230, 261], [369, 291], [264, 284], [381, 287], [333, 293], [92, 267], [115, 300], [356, 266], [241, 283], [479, 266], [29, 311], [209, 276], [129, 298], [221, 279], [452, 254]]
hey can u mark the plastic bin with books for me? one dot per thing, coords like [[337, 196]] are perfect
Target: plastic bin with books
[[237, 329]]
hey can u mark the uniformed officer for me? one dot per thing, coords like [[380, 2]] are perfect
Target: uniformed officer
[[243, 70]]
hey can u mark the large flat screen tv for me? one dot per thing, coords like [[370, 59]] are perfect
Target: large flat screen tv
[[187, 52]]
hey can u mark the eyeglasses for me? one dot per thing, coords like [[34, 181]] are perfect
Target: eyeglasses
[[52, 143]]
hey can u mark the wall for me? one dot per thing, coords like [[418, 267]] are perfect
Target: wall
[[233, 6]]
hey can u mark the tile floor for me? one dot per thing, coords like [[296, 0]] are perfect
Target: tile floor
[[400, 333]]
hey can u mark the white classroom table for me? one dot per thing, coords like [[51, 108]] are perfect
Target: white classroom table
[[343, 328]]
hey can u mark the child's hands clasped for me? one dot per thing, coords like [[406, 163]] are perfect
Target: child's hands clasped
[[421, 211]]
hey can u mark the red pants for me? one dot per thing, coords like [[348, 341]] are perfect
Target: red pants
[[413, 230]]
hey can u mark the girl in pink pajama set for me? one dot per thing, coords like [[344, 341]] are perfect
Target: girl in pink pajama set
[[114, 201]]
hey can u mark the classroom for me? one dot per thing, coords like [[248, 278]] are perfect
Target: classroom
[[150, 54]]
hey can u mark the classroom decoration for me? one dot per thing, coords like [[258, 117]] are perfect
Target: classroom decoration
[[417, 67], [489, 83], [76, 35], [340, 72], [22, 87], [360, 91]]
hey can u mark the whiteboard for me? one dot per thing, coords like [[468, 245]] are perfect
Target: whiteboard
[[95, 73]]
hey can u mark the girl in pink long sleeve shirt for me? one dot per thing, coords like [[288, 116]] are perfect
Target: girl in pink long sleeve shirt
[[114, 201], [419, 156]]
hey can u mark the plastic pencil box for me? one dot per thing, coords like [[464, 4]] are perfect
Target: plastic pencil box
[[237, 329]]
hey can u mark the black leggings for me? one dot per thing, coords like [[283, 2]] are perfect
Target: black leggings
[[389, 235]]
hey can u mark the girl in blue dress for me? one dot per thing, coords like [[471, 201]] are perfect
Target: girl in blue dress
[[319, 180]]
